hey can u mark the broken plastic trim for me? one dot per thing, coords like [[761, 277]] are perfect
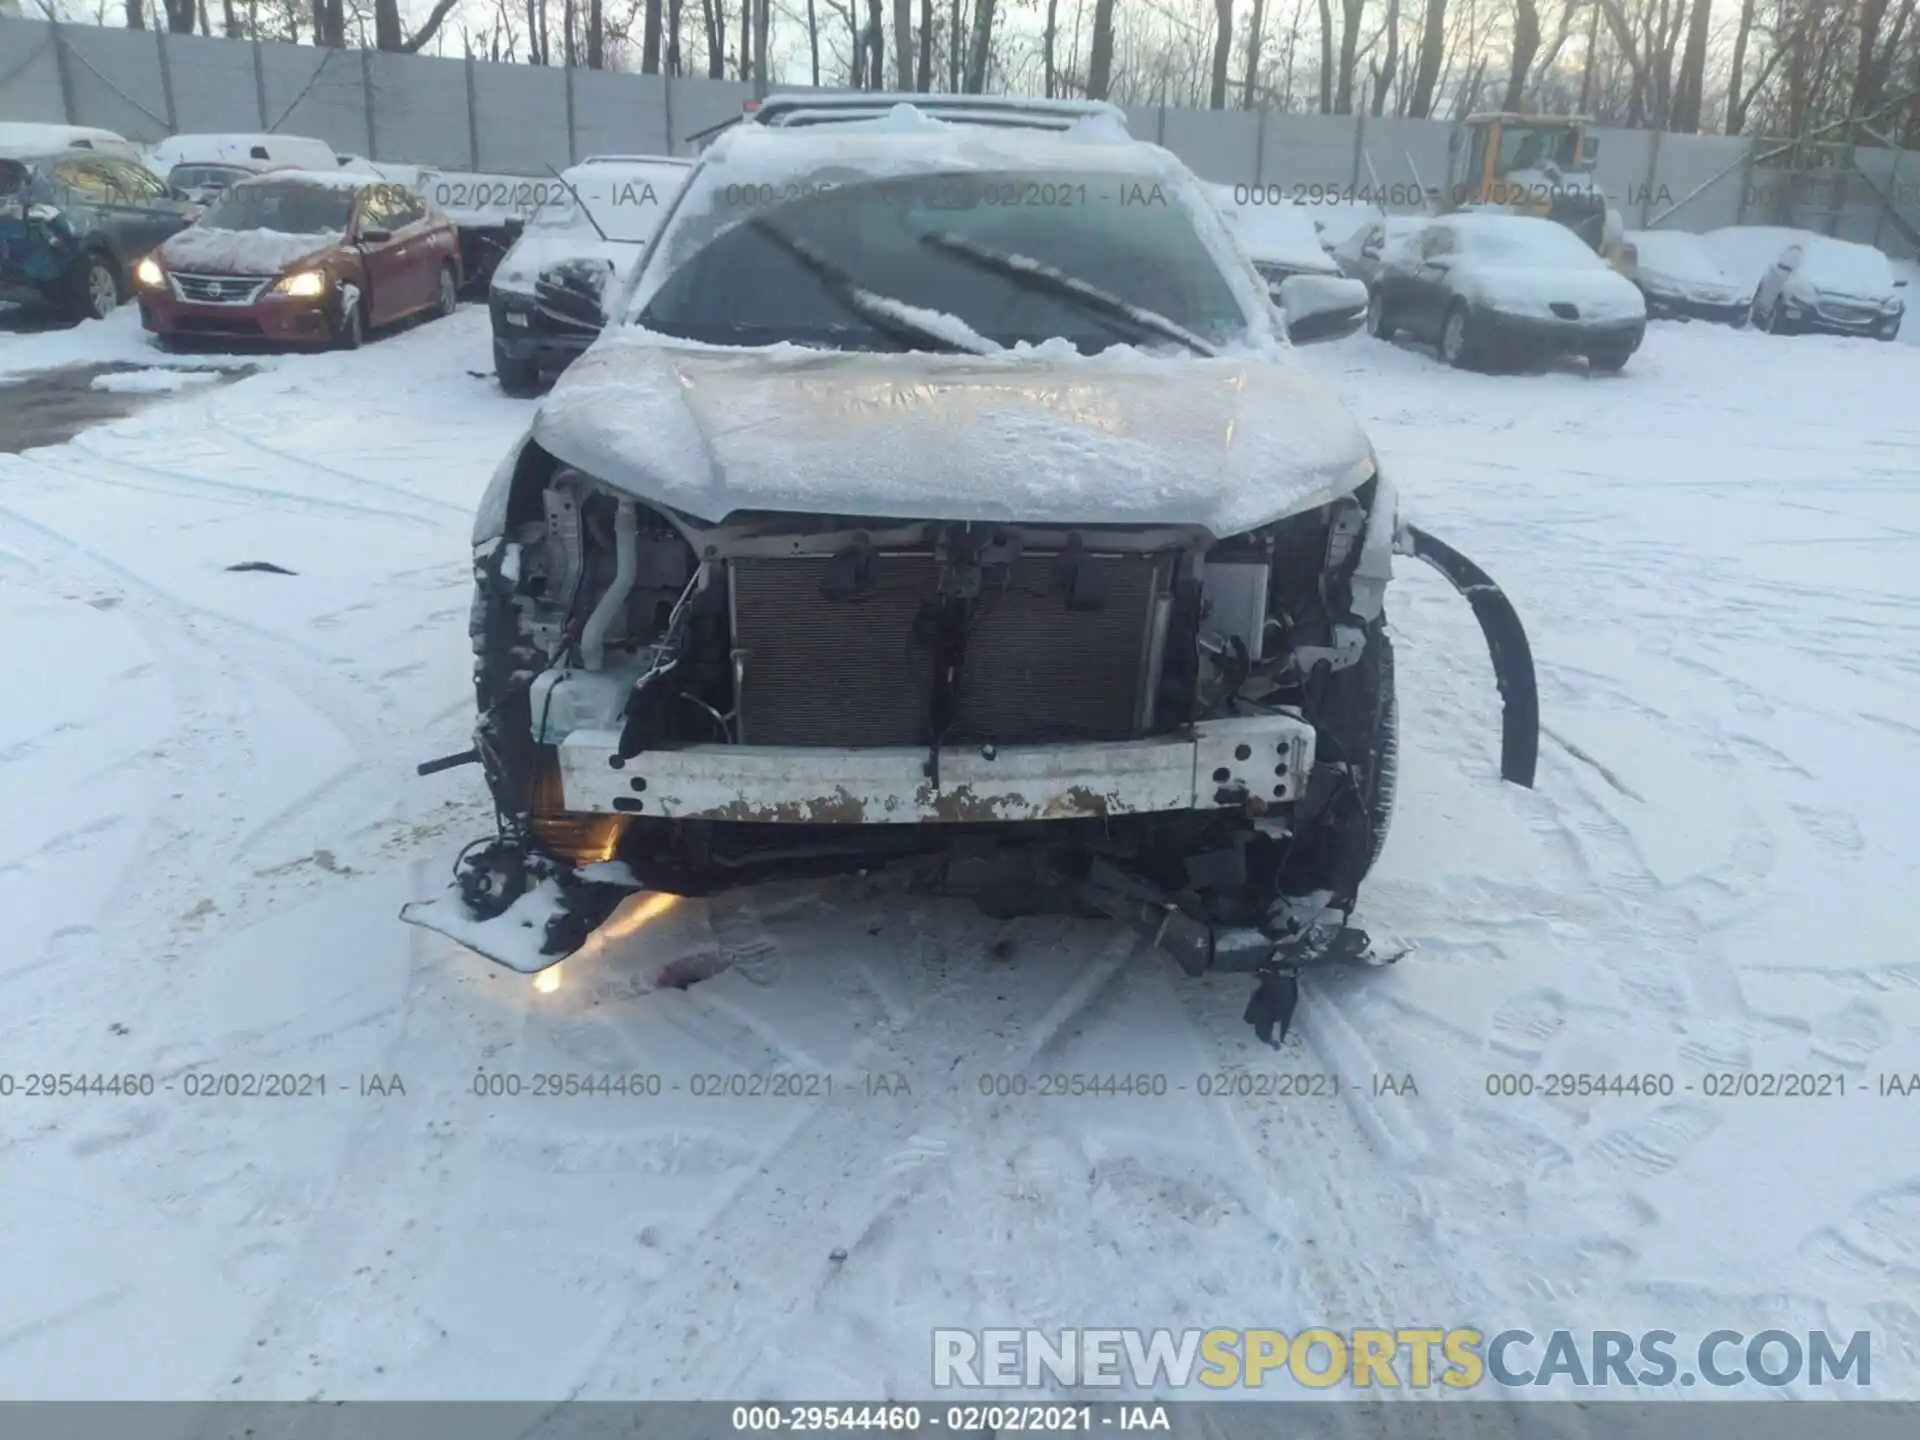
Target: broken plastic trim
[[1506, 645]]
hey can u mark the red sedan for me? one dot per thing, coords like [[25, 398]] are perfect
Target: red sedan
[[302, 257]]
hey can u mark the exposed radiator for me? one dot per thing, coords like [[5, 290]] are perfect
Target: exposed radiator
[[849, 672]]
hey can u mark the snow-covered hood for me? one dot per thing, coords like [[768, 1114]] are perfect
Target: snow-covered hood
[[242, 252], [1723, 291], [1041, 436], [1532, 291], [532, 253]]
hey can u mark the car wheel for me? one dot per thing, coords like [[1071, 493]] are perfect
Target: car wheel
[[517, 376], [1378, 324], [350, 326], [1610, 360], [93, 291], [1455, 348], [448, 299], [1360, 720]]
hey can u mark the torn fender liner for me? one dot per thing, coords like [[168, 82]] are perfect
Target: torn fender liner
[[525, 912], [1506, 645]]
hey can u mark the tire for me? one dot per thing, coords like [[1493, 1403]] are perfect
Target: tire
[[1456, 346], [1610, 361], [350, 326], [517, 376], [1379, 324], [1362, 716], [447, 299], [92, 290]]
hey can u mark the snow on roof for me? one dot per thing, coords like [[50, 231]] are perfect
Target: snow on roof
[[1745, 251], [1678, 255], [909, 141], [341, 179], [1283, 233], [1848, 267], [238, 149]]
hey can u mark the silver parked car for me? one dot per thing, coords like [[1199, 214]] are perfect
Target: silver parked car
[[943, 492], [1681, 278], [1361, 254], [1835, 287]]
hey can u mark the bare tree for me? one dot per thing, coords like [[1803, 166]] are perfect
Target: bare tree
[[650, 40], [1256, 40], [1692, 85], [1526, 44], [1100, 60], [715, 12], [1350, 13], [1388, 70], [979, 46], [813, 42], [1222, 53], [1426, 70], [923, 80]]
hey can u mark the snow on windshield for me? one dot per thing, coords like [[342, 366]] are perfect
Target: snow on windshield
[[1073, 199], [1745, 251], [1676, 255], [1513, 240], [1843, 266]]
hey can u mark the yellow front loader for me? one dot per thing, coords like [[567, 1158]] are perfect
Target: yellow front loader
[[1533, 165]]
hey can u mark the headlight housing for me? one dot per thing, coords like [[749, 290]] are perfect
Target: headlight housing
[[304, 284], [149, 274]]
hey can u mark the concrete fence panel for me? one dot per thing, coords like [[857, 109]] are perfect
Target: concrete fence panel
[[215, 88], [420, 110], [1403, 158], [522, 118], [30, 73], [114, 84], [1217, 145], [1300, 152], [321, 93], [620, 114]]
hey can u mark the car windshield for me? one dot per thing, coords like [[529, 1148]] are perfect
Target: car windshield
[[193, 177], [1526, 242], [986, 248], [1857, 269], [289, 207]]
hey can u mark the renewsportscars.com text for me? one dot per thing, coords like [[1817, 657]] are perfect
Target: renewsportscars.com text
[[1461, 1358]]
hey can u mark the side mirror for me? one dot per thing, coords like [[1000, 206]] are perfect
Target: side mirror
[[375, 237], [1321, 307], [1899, 284]]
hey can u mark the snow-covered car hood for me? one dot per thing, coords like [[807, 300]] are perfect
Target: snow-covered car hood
[[1527, 290], [242, 252], [1688, 287], [1043, 436], [532, 253]]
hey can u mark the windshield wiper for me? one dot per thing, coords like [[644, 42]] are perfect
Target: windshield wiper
[[879, 311], [1032, 274]]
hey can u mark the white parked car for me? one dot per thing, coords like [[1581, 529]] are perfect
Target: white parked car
[[21, 138], [883, 527], [1836, 287], [200, 167], [1487, 287], [545, 295], [1747, 252], [1682, 278], [1280, 239]]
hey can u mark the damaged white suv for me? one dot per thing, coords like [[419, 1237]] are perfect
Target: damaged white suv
[[941, 490]]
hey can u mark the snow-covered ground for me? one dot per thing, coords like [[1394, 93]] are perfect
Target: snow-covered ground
[[213, 820]]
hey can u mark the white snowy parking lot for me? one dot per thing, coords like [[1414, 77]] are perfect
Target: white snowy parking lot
[[214, 820]]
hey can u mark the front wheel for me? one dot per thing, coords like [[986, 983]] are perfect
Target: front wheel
[[1379, 323], [350, 325], [1456, 347], [447, 300], [1610, 360], [519, 375], [93, 289]]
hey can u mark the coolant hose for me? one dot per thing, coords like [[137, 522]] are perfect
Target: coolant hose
[[626, 559]]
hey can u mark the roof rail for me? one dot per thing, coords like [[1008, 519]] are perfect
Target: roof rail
[[796, 109]]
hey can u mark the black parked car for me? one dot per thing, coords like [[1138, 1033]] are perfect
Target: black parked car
[[73, 224], [1487, 288]]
